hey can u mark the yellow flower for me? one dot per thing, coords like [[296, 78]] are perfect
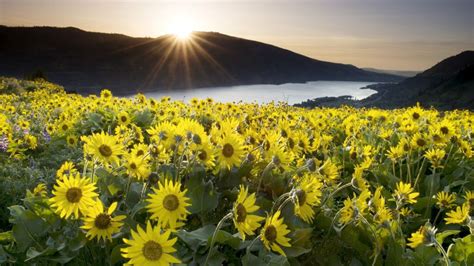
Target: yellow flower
[[354, 208], [66, 169], [329, 171], [106, 94], [445, 200], [71, 140], [123, 118], [205, 154], [31, 141], [274, 234], [406, 212], [105, 148], [446, 129], [168, 204], [458, 216], [100, 224], [381, 213], [419, 141], [40, 190], [415, 113], [150, 247], [425, 235], [138, 167], [395, 153], [307, 196], [246, 222], [162, 134], [230, 150], [435, 156], [140, 150], [469, 197], [73, 195], [404, 193]]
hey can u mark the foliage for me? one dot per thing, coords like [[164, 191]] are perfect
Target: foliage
[[242, 184]]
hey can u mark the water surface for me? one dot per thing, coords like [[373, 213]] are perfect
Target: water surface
[[288, 92]]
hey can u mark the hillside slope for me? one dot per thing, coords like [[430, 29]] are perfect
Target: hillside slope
[[447, 85], [87, 61]]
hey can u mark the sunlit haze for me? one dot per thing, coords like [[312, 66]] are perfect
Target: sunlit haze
[[402, 35]]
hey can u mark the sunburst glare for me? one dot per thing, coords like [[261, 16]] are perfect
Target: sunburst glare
[[181, 28]]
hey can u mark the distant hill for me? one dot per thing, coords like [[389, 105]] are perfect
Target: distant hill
[[447, 85], [87, 61], [402, 73]]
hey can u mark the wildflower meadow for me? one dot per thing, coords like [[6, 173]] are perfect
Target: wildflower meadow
[[106, 180]]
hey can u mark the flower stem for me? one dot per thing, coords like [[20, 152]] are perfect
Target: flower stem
[[251, 244], [443, 252], [213, 239]]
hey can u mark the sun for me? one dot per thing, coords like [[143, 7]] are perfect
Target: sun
[[181, 28]]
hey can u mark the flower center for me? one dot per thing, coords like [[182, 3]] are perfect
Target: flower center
[[123, 118], [202, 155], [416, 115], [291, 143], [171, 202], [162, 135], [196, 139], [140, 152], [133, 166], [301, 196], [152, 250], [471, 208], [444, 130], [270, 233], [74, 195], [241, 213], [71, 141], [420, 142], [228, 150], [102, 221], [105, 150]]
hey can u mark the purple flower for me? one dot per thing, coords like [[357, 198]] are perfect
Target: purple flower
[[46, 136], [3, 143]]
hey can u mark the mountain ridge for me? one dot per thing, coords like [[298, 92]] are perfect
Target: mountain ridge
[[87, 61], [449, 84]]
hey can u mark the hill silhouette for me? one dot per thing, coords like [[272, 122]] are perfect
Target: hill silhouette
[[447, 85], [88, 61]]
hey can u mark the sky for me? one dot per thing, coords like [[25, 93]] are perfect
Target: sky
[[384, 34]]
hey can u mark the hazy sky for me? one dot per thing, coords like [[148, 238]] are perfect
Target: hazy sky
[[389, 34]]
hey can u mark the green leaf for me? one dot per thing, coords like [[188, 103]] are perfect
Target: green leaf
[[277, 260], [441, 236], [198, 237], [394, 253], [6, 237], [226, 238], [431, 184], [144, 118], [116, 255], [32, 253], [463, 250], [28, 227], [301, 242], [134, 194], [251, 260], [216, 258], [424, 255], [202, 194]]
